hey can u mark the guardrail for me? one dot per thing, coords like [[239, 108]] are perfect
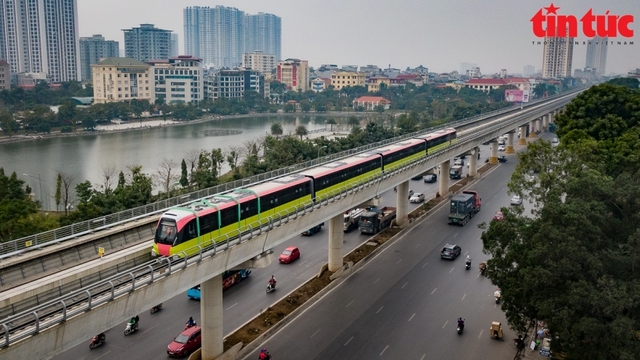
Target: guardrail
[[56, 236], [41, 317]]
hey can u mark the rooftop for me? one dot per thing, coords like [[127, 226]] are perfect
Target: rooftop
[[120, 61]]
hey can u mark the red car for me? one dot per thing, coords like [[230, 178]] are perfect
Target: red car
[[498, 216], [289, 254], [185, 343]]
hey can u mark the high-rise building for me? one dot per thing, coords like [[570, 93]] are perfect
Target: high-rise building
[[5, 75], [147, 43], [221, 35], [294, 74], [259, 61], [175, 50], [597, 55], [529, 70], [557, 57], [263, 32], [40, 36], [92, 50]]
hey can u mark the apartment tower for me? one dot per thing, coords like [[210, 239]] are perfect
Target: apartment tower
[[147, 43], [557, 57], [92, 50], [597, 55]]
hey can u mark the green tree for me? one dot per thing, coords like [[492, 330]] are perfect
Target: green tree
[[301, 131], [305, 106], [16, 208], [379, 109], [628, 82], [276, 129], [67, 114], [331, 122], [184, 175], [353, 121], [58, 196]]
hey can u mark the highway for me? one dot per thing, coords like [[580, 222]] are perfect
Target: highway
[[404, 303], [158, 330]]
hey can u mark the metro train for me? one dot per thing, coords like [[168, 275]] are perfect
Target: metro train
[[181, 229]]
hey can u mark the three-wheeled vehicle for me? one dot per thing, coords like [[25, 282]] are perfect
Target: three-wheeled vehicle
[[482, 266], [495, 330]]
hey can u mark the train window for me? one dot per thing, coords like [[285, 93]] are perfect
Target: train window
[[229, 216]]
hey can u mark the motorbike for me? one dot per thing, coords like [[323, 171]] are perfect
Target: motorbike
[[460, 328], [271, 287], [97, 341], [130, 329], [468, 265], [155, 309], [186, 326], [497, 295]]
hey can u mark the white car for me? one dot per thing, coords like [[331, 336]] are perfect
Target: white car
[[501, 148], [417, 198], [555, 142], [458, 161], [516, 200]]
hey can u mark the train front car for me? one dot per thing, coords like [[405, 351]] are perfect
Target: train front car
[[170, 231], [439, 140], [330, 178]]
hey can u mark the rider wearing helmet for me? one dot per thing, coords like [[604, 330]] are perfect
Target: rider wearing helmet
[[264, 354], [461, 323], [190, 322], [468, 261]]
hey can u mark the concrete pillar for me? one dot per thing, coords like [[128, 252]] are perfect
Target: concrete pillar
[[211, 318], [523, 135], [473, 162], [402, 203], [532, 127], [493, 159], [545, 121], [510, 149], [336, 239], [443, 179], [552, 116]]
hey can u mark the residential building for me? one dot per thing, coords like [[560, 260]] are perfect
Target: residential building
[[233, 84], [5, 75], [179, 79], [597, 55], [92, 50], [320, 84], [263, 32], [122, 79], [474, 73], [370, 102], [29, 80], [175, 45], [147, 42], [376, 83], [370, 69], [41, 36], [503, 73], [557, 57], [529, 70], [328, 67], [403, 79], [350, 68], [259, 61], [342, 79], [294, 74], [488, 84]]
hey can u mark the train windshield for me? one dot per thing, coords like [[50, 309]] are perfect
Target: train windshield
[[166, 233]]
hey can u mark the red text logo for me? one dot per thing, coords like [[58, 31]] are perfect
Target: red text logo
[[607, 25]]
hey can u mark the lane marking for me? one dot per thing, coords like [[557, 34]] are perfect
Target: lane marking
[[314, 334], [103, 355], [464, 296], [455, 235], [445, 324], [399, 261], [379, 309], [425, 264], [423, 356], [304, 243], [302, 263], [434, 290], [149, 329], [349, 304], [417, 246], [451, 270], [465, 253], [481, 331], [385, 349], [405, 284], [348, 341], [378, 279], [414, 314], [231, 306]]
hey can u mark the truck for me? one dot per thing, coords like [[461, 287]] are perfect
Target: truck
[[477, 201], [352, 218], [461, 209], [455, 172], [376, 219]]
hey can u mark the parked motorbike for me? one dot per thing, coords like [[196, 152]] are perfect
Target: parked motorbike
[[270, 287], [155, 309], [97, 341], [130, 329], [497, 295]]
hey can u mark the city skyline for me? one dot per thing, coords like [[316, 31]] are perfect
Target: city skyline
[[402, 34]]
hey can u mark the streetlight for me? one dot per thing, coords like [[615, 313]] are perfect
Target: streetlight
[[320, 148], [40, 181]]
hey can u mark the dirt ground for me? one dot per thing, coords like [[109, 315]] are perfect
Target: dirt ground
[[279, 311]]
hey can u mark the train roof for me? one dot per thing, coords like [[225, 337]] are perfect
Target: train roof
[[274, 185], [436, 133], [339, 164]]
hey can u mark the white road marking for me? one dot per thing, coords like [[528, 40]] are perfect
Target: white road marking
[[481, 331], [445, 324], [378, 279], [417, 246], [348, 341], [434, 290], [314, 334], [455, 235], [425, 264], [231, 306], [302, 263], [349, 304], [405, 284], [423, 356], [465, 253], [304, 243], [385, 349], [464, 296], [451, 270], [103, 355], [148, 329], [399, 261], [414, 314], [379, 309]]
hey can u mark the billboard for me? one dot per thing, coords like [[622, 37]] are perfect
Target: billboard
[[513, 95]]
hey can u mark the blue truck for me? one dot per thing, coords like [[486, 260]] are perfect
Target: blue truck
[[461, 209]]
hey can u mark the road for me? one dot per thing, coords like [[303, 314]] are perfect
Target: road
[[241, 302], [404, 303]]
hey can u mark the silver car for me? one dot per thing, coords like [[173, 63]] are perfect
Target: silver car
[[516, 200], [417, 198]]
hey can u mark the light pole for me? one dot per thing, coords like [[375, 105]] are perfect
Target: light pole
[[40, 181], [320, 148]]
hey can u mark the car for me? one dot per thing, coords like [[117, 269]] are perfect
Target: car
[[289, 254], [417, 198], [229, 278], [410, 193], [502, 142], [430, 178], [502, 158], [555, 142], [450, 251], [501, 148], [516, 200], [187, 342], [313, 230], [417, 177], [498, 216], [458, 161]]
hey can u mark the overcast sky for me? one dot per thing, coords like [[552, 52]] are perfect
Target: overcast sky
[[440, 34]]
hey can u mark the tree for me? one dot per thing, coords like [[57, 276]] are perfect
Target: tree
[[353, 121], [379, 109], [58, 195], [167, 175], [276, 129], [331, 122], [67, 183], [16, 206], [184, 175], [628, 82], [301, 131]]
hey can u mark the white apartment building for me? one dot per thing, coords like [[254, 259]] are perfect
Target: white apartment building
[[557, 57], [179, 79], [41, 36], [259, 61], [122, 79], [597, 55]]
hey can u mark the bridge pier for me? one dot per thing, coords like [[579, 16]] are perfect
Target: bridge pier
[[545, 122], [493, 159], [523, 135], [336, 239], [402, 203], [510, 149], [532, 127], [443, 179], [473, 162], [211, 318]]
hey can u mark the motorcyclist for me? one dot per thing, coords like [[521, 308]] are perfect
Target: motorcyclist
[[101, 337], [460, 323], [190, 322], [272, 281], [468, 261], [134, 320], [264, 354]]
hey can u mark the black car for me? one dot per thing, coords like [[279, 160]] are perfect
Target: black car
[[430, 178], [313, 230], [417, 177], [502, 158], [450, 251]]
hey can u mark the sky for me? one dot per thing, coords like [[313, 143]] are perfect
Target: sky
[[440, 35]]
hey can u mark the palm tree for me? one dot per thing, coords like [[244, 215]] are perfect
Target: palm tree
[[276, 129], [331, 122], [301, 131]]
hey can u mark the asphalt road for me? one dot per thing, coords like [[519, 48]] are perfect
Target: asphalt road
[[242, 301], [404, 303]]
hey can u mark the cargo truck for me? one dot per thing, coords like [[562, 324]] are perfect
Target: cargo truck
[[461, 209], [477, 201], [455, 172], [376, 219], [352, 218]]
